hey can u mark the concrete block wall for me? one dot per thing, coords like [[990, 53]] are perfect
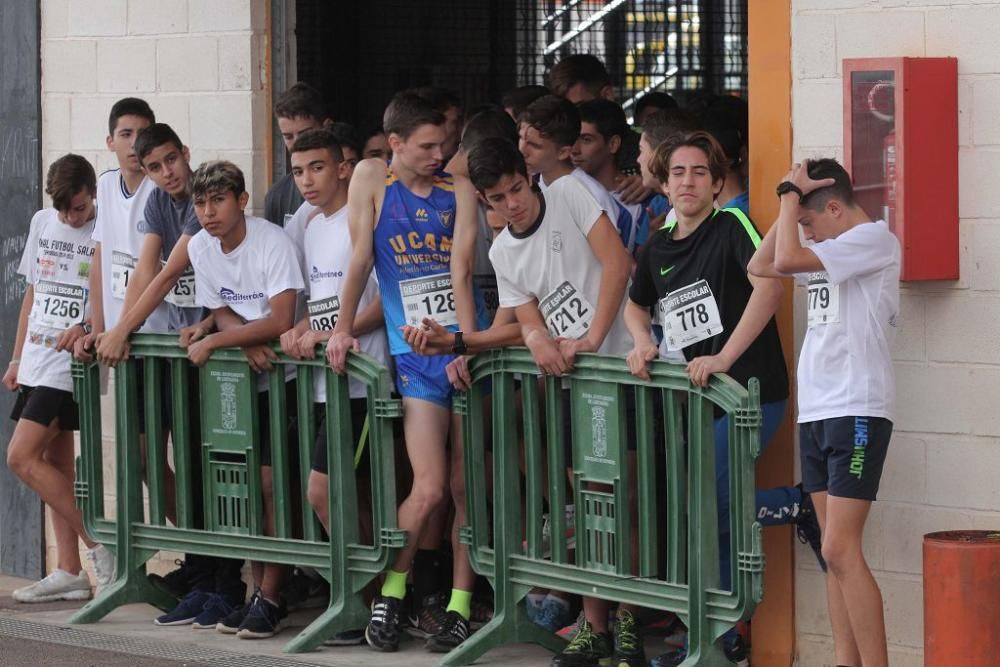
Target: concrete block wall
[[201, 66], [946, 445]]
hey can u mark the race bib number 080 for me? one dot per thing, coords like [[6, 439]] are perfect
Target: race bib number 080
[[567, 313], [822, 300], [689, 315], [323, 313], [430, 296], [58, 305], [122, 265]]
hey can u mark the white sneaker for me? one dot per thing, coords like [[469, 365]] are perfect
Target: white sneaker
[[60, 585], [104, 565]]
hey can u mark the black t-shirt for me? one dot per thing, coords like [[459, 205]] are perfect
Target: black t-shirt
[[282, 199], [717, 252]]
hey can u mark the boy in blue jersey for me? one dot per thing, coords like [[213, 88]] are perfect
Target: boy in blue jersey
[[416, 226]]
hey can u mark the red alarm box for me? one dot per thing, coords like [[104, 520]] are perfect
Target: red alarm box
[[901, 149]]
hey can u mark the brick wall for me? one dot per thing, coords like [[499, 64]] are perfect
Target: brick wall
[[200, 65], [940, 473]]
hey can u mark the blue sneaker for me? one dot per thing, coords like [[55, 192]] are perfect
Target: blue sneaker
[[186, 610], [215, 609]]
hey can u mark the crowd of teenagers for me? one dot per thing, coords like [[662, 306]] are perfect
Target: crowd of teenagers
[[545, 221]]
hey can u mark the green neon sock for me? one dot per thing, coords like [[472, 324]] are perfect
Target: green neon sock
[[394, 585], [461, 601]]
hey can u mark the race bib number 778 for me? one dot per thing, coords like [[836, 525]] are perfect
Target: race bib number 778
[[689, 315]]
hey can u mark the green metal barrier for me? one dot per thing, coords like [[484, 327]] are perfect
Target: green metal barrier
[[677, 540], [231, 486]]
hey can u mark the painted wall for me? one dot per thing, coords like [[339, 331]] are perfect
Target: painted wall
[[200, 65], [940, 473]]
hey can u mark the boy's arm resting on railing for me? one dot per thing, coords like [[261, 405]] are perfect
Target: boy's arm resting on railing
[[247, 334]]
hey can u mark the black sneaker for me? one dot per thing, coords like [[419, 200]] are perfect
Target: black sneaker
[[347, 638], [382, 632], [176, 582], [216, 608], [230, 625], [629, 651], [807, 527], [429, 619], [587, 649], [186, 611], [305, 592], [454, 631], [263, 620], [735, 648]]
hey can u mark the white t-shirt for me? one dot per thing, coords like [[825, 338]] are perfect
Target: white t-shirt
[[326, 252], [120, 229], [553, 263], [845, 368], [56, 263], [596, 190], [264, 265]]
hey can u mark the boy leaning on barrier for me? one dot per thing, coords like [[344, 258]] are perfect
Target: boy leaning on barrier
[[208, 586], [715, 318], [247, 273], [55, 313], [563, 269], [322, 174], [846, 380]]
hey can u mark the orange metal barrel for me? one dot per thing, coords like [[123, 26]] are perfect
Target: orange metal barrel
[[962, 598]]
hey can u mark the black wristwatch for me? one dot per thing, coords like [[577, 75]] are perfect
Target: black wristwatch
[[788, 186], [459, 347]]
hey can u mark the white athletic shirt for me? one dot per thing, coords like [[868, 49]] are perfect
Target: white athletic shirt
[[553, 263], [120, 228], [845, 368], [56, 263], [596, 190], [264, 265], [327, 256]]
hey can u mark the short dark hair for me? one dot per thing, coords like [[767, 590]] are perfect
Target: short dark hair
[[217, 176], [659, 165], [492, 159], [348, 137], [441, 99], [518, 99], [407, 111], [606, 116], [487, 124], [67, 177], [578, 68], [153, 137], [841, 189], [555, 118], [657, 100], [726, 119], [316, 139], [301, 101], [370, 131], [661, 124], [129, 106]]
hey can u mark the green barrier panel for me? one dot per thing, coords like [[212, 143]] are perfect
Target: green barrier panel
[[673, 524], [229, 451]]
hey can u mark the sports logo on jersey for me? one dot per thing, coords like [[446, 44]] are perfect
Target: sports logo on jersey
[[231, 296], [316, 274], [421, 215], [556, 241], [83, 270], [446, 216]]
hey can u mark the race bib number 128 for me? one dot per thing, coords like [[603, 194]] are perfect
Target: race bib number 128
[[430, 296]]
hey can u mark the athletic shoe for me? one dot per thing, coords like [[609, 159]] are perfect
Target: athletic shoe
[[216, 608], [186, 611], [230, 625], [60, 585], [104, 565], [670, 658], [382, 632], [628, 644], [305, 592], [176, 583], [429, 619], [570, 514], [587, 649], [347, 638], [807, 527], [263, 620], [555, 615], [482, 613], [454, 632], [735, 649]]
